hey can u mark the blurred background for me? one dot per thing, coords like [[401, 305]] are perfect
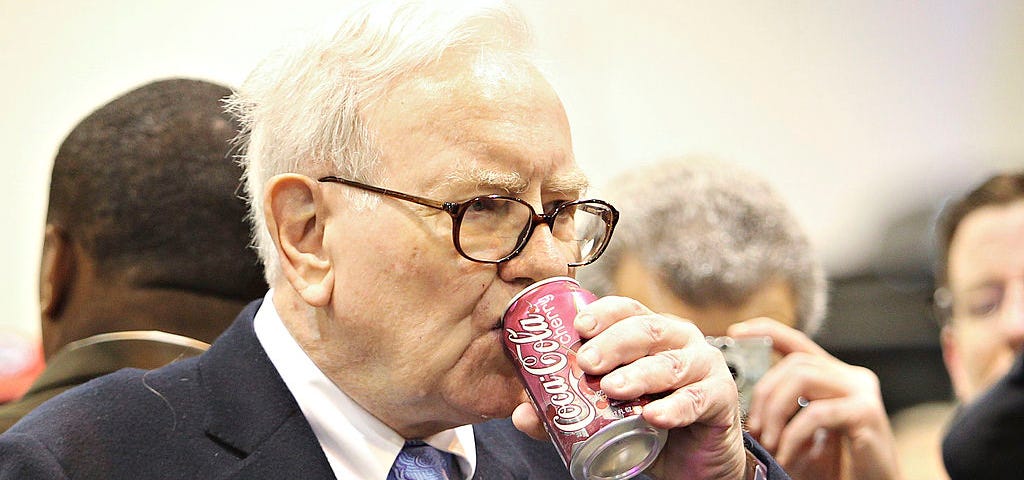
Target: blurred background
[[865, 114]]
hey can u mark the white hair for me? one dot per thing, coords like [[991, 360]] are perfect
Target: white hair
[[714, 233], [302, 111]]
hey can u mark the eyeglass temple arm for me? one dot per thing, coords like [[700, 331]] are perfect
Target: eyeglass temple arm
[[426, 202]]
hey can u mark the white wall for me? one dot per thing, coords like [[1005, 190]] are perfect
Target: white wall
[[860, 111]]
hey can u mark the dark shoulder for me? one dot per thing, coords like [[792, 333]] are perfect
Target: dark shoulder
[[119, 397], [132, 420], [11, 413], [983, 438]]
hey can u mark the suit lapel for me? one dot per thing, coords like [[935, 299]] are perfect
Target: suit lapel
[[252, 413]]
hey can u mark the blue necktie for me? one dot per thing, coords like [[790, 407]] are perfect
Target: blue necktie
[[419, 461]]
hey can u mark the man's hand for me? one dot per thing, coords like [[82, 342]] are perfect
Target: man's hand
[[640, 352], [841, 415]]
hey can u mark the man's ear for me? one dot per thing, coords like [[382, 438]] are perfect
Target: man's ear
[[56, 271], [295, 215]]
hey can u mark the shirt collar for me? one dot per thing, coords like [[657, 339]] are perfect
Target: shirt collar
[[356, 443]]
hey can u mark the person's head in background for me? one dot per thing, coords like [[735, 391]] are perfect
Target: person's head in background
[[709, 242], [145, 229], [980, 276]]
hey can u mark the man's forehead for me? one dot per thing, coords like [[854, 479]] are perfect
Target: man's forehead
[[988, 246], [490, 123], [990, 225]]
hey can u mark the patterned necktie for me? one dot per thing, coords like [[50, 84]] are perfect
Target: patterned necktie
[[419, 461]]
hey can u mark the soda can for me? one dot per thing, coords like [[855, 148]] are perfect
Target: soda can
[[597, 437]]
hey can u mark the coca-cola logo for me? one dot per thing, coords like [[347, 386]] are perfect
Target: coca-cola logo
[[541, 345]]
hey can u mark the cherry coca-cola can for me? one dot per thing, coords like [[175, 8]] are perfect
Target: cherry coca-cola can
[[597, 437]]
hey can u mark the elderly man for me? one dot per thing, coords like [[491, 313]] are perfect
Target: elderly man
[[123, 282], [397, 171], [715, 244], [981, 300]]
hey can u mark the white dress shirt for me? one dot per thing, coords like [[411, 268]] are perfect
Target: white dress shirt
[[356, 443]]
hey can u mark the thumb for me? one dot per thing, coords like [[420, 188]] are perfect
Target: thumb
[[525, 418]]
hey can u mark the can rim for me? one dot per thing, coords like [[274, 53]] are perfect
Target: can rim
[[633, 428]]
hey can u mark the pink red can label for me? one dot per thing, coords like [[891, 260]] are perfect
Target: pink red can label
[[541, 339]]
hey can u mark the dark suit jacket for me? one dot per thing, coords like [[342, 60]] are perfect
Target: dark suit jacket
[[986, 439], [223, 415], [93, 357]]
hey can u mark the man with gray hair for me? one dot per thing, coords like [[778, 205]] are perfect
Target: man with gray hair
[[409, 175], [697, 236], [714, 244]]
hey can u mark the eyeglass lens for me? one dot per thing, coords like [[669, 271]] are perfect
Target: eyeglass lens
[[492, 228]]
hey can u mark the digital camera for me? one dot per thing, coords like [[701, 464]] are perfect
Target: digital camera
[[748, 359]]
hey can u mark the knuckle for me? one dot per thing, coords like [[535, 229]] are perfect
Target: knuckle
[[698, 398], [693, 401], [655, 328], [675, 365]]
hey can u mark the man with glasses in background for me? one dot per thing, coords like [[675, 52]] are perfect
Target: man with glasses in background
[[981, 303], [408, 176]]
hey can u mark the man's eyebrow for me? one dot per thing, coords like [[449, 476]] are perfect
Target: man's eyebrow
[[984, 285], [573, 183], [508, 182]]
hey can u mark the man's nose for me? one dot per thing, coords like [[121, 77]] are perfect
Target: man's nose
[[541, 258]]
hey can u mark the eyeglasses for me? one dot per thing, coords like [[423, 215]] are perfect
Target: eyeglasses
[[979, 304], [941, 303], [496, 228]]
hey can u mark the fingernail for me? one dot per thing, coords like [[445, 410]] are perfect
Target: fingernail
[[584, 322], [588, 356]]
